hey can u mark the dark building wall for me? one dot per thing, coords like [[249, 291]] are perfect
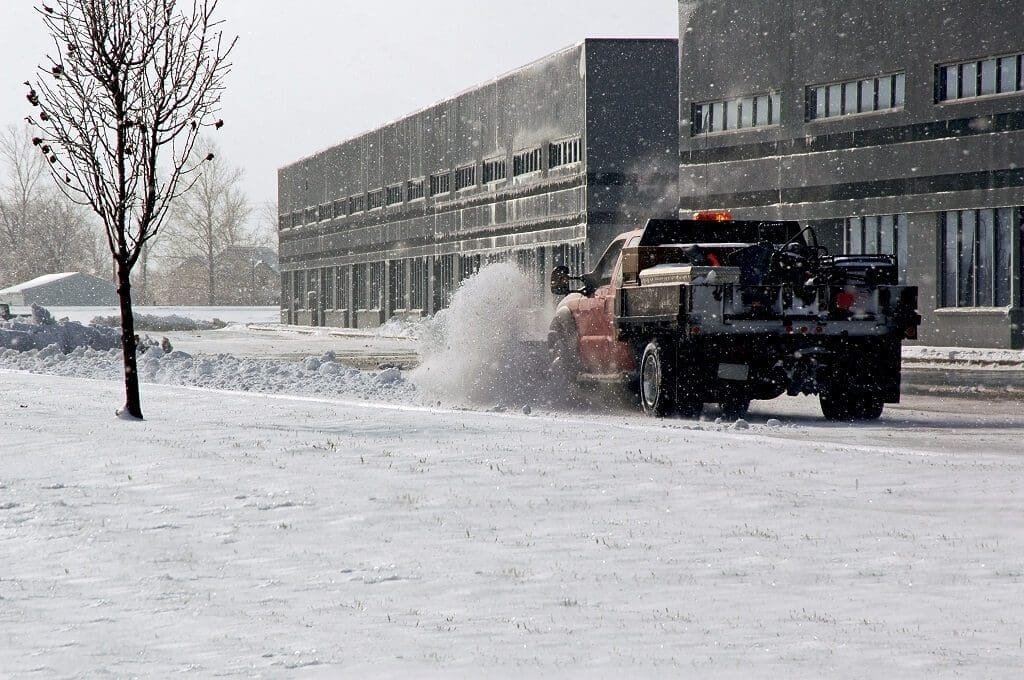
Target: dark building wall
[[632, 137], [540, 102], [922, 160], [538, 217]]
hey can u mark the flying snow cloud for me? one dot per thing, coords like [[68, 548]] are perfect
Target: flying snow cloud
[[484, 348]]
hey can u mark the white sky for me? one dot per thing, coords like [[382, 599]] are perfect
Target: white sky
[[310, 74]]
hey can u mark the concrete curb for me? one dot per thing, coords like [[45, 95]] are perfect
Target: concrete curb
[[963, 380]]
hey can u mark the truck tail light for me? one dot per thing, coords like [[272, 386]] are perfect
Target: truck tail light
[[910, 333], [845, 300]]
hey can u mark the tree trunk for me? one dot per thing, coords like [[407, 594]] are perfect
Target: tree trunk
[[132, 404], [211, 273]]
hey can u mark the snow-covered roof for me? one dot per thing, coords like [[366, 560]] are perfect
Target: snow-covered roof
[[36, 282]]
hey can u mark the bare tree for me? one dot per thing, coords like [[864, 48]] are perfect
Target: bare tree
[[118, 110], [265, 231], [210, 217], [41, 231], [19, 199]]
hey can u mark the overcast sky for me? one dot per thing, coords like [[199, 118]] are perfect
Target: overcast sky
[[311, 73]]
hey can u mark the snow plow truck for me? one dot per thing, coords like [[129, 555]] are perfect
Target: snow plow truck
[[725, 311]]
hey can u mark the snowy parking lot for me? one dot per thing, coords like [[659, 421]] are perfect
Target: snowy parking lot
[[280, 516]]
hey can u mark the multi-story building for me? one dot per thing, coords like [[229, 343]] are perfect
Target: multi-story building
[[889, 126], [541, 166]]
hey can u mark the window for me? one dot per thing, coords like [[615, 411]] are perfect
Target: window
[[832, 100], [330, 290], [494, 170], [299, 290], [284, 221], [440, 184], [879, 234], [356, 204], [526, 162], [419, 282], [604, 268], [975, 257], [396, 285], [393, 194], [359, 286], [564, 152], [465, 177], [375, 285], [754, 111], [339, 207], [297, 218], [414, 189], [374, 199], [980, 78], [311, 215]]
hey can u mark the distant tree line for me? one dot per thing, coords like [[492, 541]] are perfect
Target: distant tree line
[[41, 231], [216, 247]]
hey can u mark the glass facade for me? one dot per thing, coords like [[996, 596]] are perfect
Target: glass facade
[[976, 257]]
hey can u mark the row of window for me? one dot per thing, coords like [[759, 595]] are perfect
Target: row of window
[[961, 80], [405, 284], [856, 96], [737, 113], [565, 152], [996, 75]]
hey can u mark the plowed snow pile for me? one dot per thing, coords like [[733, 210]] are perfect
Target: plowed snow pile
[[42, 331], [67, 348], [474, 351]]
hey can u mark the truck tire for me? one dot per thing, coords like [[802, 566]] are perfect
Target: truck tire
[[565, 362], [734, 405], [689, 403], [849, 400], [658, 380]]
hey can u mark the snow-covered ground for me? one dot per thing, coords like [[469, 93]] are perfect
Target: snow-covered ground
[[282, 514], [244, 535]]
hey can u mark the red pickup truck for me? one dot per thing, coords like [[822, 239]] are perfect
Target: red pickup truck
[[722, 310]]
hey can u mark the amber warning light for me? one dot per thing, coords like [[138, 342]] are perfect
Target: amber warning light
[[713, 216]]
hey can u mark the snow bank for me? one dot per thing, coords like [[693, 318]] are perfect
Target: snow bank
[[161, 324], [321, 375], [400, 328], [67, 348], [473, 352], [964, 355], [42, 331]]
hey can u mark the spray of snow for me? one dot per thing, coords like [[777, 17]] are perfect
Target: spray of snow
[[475, 351]]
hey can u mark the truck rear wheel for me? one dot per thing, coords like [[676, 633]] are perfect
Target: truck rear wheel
[[658, 380], [734, 406], [847, 400]]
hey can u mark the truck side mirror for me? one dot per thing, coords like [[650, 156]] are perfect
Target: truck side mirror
[[560, 280]]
